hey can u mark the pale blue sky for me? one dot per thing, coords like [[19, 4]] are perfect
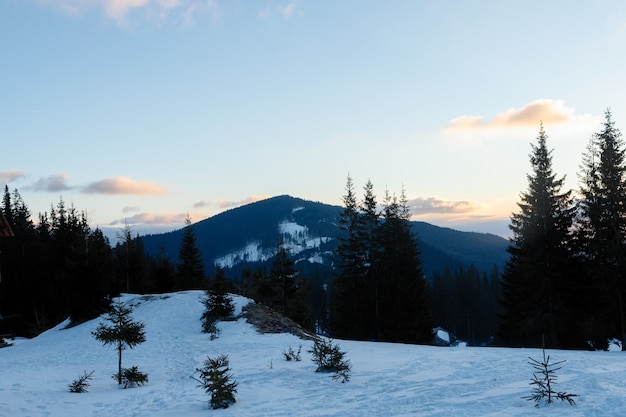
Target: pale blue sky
[[146, 110]]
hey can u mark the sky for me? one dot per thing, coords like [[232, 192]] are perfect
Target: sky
[[141, 112]]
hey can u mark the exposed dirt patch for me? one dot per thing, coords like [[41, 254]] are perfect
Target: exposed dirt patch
[[266, 320]]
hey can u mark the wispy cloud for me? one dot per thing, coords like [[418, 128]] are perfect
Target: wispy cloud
[[547, 111], [10, 176], [473, 130], [202, 204], [432, 205], [223, 204], [131, 209], [118, 10], [52, 183], [286, 12], [156, 219], [123, 185]]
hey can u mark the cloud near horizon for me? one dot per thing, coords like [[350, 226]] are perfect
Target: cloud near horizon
[[152, 219], [548, 111], [123, 185], [223, 204], [159, 219], [52, 183], [431, 205], [12, 175], [130, 209]]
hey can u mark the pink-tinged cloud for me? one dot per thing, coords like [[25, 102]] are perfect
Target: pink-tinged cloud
[[159, 219], [123, 185], [10, 176], [53, 183], [117, 9], [432, 205], [222, 204], [550, 112], [152, 219]]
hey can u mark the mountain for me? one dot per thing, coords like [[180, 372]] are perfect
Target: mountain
[[250, 235]]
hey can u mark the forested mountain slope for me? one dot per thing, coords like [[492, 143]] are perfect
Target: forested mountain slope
[[250, 235]]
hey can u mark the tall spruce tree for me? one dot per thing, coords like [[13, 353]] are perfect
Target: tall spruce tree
[[369, 221], [344, 289], [405, 314], [603, 231], [535, 278], [283, 276], [190, 269]]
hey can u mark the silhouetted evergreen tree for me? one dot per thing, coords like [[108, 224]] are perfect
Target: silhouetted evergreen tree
[[369, 299], [92, 286], [464, 302], [602, 232], [163, 272], [346, 286], [536, 275], [130, 262], [190, 269], [405, 313]]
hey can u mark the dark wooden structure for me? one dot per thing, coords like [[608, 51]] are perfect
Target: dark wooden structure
[[5, 229]]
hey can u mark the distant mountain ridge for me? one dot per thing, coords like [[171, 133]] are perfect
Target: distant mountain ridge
[[249, 236]]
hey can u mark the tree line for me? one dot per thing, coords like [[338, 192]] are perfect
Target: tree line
[[59, 267], [379, 291], [564, 282]]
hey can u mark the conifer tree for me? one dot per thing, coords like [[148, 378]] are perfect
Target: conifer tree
[[189, 268], [344, 311], [218, 304], [602, 233], [129, 260], [535, 277], [369, 222], [289, 291], [405, 313], [122, 333]]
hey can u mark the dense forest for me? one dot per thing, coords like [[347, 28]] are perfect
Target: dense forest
[[564, 281]]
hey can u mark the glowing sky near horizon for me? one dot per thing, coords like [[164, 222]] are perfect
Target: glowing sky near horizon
[[143, 111]]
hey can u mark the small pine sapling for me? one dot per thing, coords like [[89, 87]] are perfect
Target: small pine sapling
[[209, 325], [122, 333], [131, 377], [329, 358], [218, 305], [216, 381], [543, 380], [291, 355], [81, 383]]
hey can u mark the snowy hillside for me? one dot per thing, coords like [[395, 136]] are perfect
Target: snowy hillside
[[387, 379], [293, 236]]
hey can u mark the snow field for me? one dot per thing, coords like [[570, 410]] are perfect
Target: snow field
[[387, 379]]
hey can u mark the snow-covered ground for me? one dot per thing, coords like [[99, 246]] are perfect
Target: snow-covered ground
[[387, 379]]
